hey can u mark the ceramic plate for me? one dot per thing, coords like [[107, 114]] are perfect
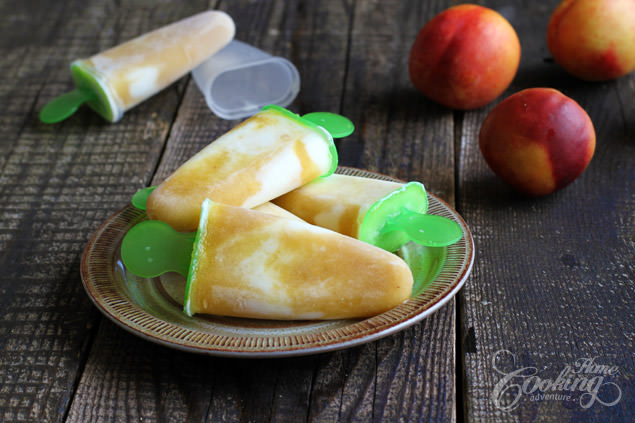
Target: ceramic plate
[[151, 308]]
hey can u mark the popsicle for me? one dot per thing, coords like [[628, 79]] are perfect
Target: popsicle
[[383, 213], [140, 197], [267, 155], [117, 79], [246, 263]]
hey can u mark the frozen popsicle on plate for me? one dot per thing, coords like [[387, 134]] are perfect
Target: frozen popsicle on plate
[[267, 155], [383, 213], [246, 263], [117, 79], [140, 197]]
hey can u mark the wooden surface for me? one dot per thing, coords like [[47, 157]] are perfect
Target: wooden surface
[[552, 283]]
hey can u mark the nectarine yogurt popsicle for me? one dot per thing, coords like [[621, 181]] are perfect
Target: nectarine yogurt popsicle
[[269, 154], [119, 78], [140, 197], [247, 263], [383, 213]]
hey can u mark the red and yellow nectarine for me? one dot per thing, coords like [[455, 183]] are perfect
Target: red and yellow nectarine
[[593, 40], [464, 57], [537, 140]]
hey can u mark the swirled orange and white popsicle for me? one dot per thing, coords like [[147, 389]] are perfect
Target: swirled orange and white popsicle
[[355, 206], [247, 263], [269, 154], [382, 213], [119, 78]]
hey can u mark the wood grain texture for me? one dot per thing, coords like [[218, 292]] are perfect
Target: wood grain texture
[[392, 138], [390, 380], [59, 183], [552, 281], [399, 132], [231, 390]]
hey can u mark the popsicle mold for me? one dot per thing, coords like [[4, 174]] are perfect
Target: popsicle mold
[[240, 79]]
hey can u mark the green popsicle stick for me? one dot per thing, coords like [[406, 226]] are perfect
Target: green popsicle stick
[[424, 229], [64, 106], [152, 248], [337, 125], [425, 264], [412, 197], [140, 197]]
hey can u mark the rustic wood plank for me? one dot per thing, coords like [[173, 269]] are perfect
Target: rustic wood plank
[[552, 282], [59, 183], [232, 390], [359, 384], [549, 297], [399, 131], [402, 134], [137, 381]]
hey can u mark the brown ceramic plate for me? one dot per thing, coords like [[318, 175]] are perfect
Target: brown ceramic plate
[[151, 308]]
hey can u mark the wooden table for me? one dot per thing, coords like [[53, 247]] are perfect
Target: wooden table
[[552, 282]]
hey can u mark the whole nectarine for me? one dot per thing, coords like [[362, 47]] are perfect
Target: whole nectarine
[[537, 140], [464, 57], [593, 40]]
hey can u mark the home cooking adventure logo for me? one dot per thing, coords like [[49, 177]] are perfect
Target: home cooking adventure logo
[[586, 382]]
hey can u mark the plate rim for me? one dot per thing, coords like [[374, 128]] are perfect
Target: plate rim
[[371, 332]]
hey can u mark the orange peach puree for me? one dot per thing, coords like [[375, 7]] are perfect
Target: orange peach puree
[[224, 176], [308, 272], [169, 52]]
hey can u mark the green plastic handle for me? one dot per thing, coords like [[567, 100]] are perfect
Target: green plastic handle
[[337, 125], [425, 263], [64, 106], [152, 248], [425, 229], [140, 197]]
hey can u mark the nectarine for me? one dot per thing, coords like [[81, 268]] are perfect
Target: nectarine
[[464, 57], [537, 140], [593, 40]]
